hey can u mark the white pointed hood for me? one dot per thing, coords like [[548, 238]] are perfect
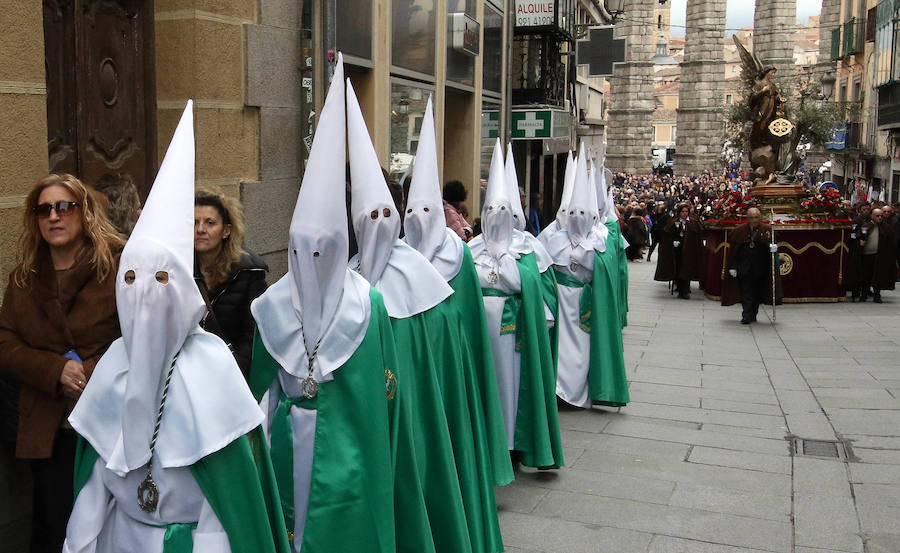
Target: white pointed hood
[[375, 217], [512, 190], [159, 308], [318, 301], [582, 208], [319, 243], [408, 282], [496, 213], [568, 183], [495, 261], [425, 222]]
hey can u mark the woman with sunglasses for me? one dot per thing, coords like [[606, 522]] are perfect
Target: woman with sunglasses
[[58, 316]]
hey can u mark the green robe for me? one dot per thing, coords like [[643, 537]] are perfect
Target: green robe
[[461, 389], [426, 367], [537, 419], [615, 239], [242, 469], [361, 505], [607, 383], [466, 299]]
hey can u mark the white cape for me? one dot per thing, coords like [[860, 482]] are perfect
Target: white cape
[[409, 283]]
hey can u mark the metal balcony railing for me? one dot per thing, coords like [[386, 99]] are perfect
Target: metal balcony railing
[[854, 37]]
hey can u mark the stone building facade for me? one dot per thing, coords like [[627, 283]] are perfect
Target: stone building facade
[[700, 118], [630, 129], [772, 21]]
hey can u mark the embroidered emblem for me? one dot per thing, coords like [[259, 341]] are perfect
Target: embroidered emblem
[[390, 384]]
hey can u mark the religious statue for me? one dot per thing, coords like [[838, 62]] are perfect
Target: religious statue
[[773, 138]]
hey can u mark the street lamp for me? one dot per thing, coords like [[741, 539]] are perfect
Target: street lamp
[[403, 106], [827, 81], [615, 8]]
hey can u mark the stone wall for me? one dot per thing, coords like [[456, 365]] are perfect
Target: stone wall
[[699, 130], [23, 119], [630, 130], [773, 37], [274, 86]]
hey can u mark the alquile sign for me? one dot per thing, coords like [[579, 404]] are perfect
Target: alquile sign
[[534, 14]]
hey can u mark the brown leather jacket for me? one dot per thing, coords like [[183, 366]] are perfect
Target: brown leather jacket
[[38, 325]]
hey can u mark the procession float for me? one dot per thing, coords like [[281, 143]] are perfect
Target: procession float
[[811, 230]]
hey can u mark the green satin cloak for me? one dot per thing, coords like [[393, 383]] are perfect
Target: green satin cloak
[[364, 494], [239, 484]]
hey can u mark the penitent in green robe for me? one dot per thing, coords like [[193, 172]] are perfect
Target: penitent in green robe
[[615, 240], [536, 433], [466, 299], [607, 383], [239, 485], [364, 492], [469, 388], [428, 368]]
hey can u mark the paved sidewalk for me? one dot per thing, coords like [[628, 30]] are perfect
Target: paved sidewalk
[[701, 460]]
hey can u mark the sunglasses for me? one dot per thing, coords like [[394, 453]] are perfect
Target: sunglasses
[[62, 208]]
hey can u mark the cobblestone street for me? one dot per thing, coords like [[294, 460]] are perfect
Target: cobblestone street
[[701, 460]]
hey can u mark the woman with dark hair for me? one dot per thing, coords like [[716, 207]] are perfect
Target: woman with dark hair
[[58, 317], [454, 196], [229, 277]]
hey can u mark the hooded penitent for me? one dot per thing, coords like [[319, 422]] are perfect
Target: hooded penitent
[[581, 209], [166, 463], [568, 183], [590, 366], [159, 306], [495, 263], [521, 243], [414, 293], [319, 356], [317, 281], [425, 225], [409, 284]]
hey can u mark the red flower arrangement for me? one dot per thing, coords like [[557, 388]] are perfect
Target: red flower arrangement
[[734, 202], [828, 200]]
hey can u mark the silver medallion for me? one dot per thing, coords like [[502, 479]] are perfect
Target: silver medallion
[[573, 266], [493, 277], [148, 494], [309, 387]]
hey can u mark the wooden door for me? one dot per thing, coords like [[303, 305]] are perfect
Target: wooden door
[[101, 94]]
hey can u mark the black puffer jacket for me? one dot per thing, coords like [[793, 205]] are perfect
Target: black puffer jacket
[[231, 319]]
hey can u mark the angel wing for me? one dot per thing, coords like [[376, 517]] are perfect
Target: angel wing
[[750, 64]]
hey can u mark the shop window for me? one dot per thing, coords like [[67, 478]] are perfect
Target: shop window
[[353, 27], [492, 50], [413, 34], [460, 66], [408, 101]]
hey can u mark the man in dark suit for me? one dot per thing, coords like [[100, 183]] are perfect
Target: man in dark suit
[[750, 262]]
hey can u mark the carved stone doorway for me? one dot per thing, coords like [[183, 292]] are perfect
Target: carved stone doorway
[[101, 91]]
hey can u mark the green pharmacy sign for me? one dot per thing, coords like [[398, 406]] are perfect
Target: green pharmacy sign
[[532, 124]]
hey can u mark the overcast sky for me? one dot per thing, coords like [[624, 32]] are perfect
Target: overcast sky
[[740, 13]]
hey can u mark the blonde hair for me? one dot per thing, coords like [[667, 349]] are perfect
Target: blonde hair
[[98, 232], [231, 212]]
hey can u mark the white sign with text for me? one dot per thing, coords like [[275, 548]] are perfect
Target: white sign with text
[[530, 13]]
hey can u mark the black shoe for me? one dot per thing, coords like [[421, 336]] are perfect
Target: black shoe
[[753, 319], [877, 298], [745, 321], [684, 296]]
